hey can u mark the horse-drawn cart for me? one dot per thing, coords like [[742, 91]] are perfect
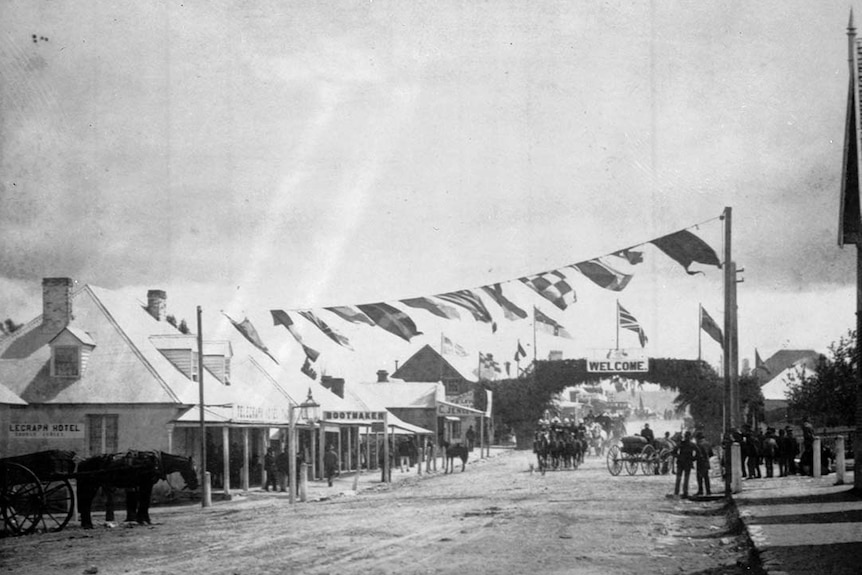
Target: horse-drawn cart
[[635, 452], [35, 489]]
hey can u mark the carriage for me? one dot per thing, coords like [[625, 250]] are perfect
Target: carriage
[[35, 490], [637, 453]]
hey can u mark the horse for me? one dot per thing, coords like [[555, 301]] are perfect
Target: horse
[[453, 451], [134, 471], [598, 439], [542, 449]]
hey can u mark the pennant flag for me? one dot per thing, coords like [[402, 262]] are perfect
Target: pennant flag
[[520, 353], [330, 333], [510, 310], [628, 321], [351, 314], [247, 330], [469, 301], [438, 309], [708, 325], [759, 363], [308, 370], [508, 368], [280, 317], [449, 347], [549, 325], [604, 275], [632, 256], [553, 286], [686, 248], [391, 319]]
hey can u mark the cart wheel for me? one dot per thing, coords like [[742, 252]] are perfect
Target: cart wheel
[[59, 504], [649, 461], [631, 464], [21, 498], [615, 463]]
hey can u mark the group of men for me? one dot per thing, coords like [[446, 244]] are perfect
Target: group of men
[[688, 453]]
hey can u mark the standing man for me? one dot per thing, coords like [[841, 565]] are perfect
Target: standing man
[[330, 464], [806, 460], [471, 438], [704, 452], [770, 451], [271, 471], [686, 455], [282, 466]]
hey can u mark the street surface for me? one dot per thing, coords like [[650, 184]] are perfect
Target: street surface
[[496, 517]]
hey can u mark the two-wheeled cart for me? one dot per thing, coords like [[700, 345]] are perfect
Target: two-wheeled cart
[[36, 490], [634, 453]]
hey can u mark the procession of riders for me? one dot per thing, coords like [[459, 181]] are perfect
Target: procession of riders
[[563, 443]]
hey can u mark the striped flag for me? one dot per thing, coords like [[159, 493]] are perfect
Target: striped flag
[[549, 325], [351, 314], [604, 275], [553, 286], [438, 309], [469, 301], [248, 331], [627, 321], [308, 370], [510, 310], [280, 317], [449, 347], [391, 319], [520, 353], [330, 333], [708, 325]]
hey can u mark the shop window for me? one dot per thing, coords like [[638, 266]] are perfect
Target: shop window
[[66, 361], [103, 433]]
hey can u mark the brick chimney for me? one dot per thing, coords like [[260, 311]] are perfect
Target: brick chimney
[[382, 375], [56, 303], [333, 384], [157, 303]]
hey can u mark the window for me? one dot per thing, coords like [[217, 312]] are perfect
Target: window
[[103, 433], [67, 361]]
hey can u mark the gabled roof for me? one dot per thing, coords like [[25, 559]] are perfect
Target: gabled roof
[[783, 359], [9, 398], [776, 388], [79, 334], [428, 364], [367, 400]]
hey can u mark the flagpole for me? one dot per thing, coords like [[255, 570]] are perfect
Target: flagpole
[[534, 344], [441, 357], [618, 325], [699, 324], [479, 368], [205, 487]]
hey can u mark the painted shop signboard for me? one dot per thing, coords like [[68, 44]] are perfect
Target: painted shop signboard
[[46, 430]]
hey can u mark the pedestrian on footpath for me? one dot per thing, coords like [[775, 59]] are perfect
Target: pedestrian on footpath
[[271, 471], [403, 455], [704, 453], [282, 466], [806, 460], [770, 451], [330, 464], [783, 453], [686, 455]]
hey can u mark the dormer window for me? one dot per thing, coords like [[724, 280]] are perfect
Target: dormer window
[[70, 350]]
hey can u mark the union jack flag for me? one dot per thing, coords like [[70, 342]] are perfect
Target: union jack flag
[[628, 321]]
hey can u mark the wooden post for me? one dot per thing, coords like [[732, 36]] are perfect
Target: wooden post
[[204, 481], [225, 438], [246, 460], [387, 469], [321, 451], [291, 464], [358, 467], [815, 459], [840, 464]]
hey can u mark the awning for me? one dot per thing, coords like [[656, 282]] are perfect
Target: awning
[[450, 418]]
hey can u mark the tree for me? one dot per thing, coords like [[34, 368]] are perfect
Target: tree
[[828, 396]]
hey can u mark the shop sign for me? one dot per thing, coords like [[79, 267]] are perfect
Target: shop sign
[[377, 427], [46, 430], [353, 415], [465, 399], [256, 413], [619, 360], [452, 409]]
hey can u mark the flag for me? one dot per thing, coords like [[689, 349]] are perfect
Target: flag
[[391, 319], [469, 301], [520, 353], [508, 368], [330, 333], [759, 363], [488, 361], [351, 314], [549, 325], [708, 325], [510, 310], [604, 275], [628, 321], [307, 369], [632, 256], [553, 286], [247, 330], [438, 309], [280, 317], [449, 347], [686, 248]]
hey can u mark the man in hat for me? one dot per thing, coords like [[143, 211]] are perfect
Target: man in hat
[[704, 452], [686, 455]]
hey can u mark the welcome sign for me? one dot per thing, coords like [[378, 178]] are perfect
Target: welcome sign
[[618, 361]]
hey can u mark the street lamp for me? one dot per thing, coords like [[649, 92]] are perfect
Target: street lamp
[[309, 412]]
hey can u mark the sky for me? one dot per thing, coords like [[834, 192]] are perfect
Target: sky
[[245, 157]]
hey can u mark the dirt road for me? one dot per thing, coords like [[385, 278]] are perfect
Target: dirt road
[[497, 517]]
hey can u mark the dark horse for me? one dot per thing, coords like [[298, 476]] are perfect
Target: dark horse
[[453, 451], [134, 471]]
